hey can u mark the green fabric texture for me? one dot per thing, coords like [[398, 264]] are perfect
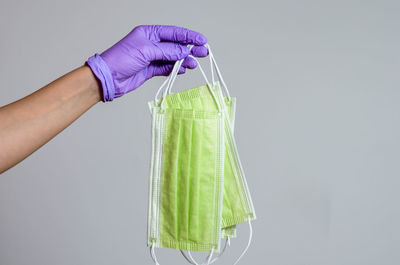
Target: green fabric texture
[[229, 231], [198, 192]]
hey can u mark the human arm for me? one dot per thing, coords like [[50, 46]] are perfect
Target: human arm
[[29, 123], [147, 51]]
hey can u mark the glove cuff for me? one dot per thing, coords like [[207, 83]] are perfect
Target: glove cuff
[[103, 73]]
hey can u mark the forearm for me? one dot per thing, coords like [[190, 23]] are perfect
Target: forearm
[[147, 51], [29, 123]]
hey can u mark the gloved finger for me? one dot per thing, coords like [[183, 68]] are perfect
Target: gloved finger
[[166, 51], [199, 51], [182, 70], [189, 62], [178, 34], [162, 69]]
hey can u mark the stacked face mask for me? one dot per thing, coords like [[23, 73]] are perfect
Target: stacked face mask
[[198, 191]]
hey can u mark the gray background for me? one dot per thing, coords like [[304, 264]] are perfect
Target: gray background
[[317, 129]]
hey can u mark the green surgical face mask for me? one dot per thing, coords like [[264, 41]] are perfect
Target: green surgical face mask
[[198, 191]]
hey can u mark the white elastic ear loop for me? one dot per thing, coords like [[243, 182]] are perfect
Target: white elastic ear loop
[[173, 77], [153, 254], [210, 256], [190, 260], [169, 86], [168, 79], [173, 73], [211, 66], [201, 70], [208, 84], [248, 243], [227, 242], [156, 99], [212, 58]]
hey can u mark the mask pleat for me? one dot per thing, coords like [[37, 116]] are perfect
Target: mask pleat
[[194, 210], [169, 180], [208, 180], [180, 179], [195, 180], [184, 176], [227, 205]]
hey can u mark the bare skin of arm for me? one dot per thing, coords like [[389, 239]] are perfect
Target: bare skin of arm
[[29, 123]]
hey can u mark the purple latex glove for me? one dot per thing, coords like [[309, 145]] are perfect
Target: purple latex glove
[[145, 52]]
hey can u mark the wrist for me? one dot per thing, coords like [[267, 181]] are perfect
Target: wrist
[[102, 73], [94, 84]]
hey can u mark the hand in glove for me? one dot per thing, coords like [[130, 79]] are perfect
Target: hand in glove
[[145, 52]]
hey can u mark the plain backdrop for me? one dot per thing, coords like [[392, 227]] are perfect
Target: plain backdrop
[[317, 129]]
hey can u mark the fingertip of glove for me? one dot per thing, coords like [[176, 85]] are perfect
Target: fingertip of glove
[[199, 51], [200, 39], [182, 70], [190, 63]]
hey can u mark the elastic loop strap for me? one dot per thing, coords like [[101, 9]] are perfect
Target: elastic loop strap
[[172, 78], [156, 99], [211, 67], [227, 242], [177, 65], [153, 254], [201, 70], [248, 243], [177, 71], [190, 260], [210, 256], [212, 58], [210, 87]]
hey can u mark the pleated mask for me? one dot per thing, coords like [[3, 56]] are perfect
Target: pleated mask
[[198, 191]]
